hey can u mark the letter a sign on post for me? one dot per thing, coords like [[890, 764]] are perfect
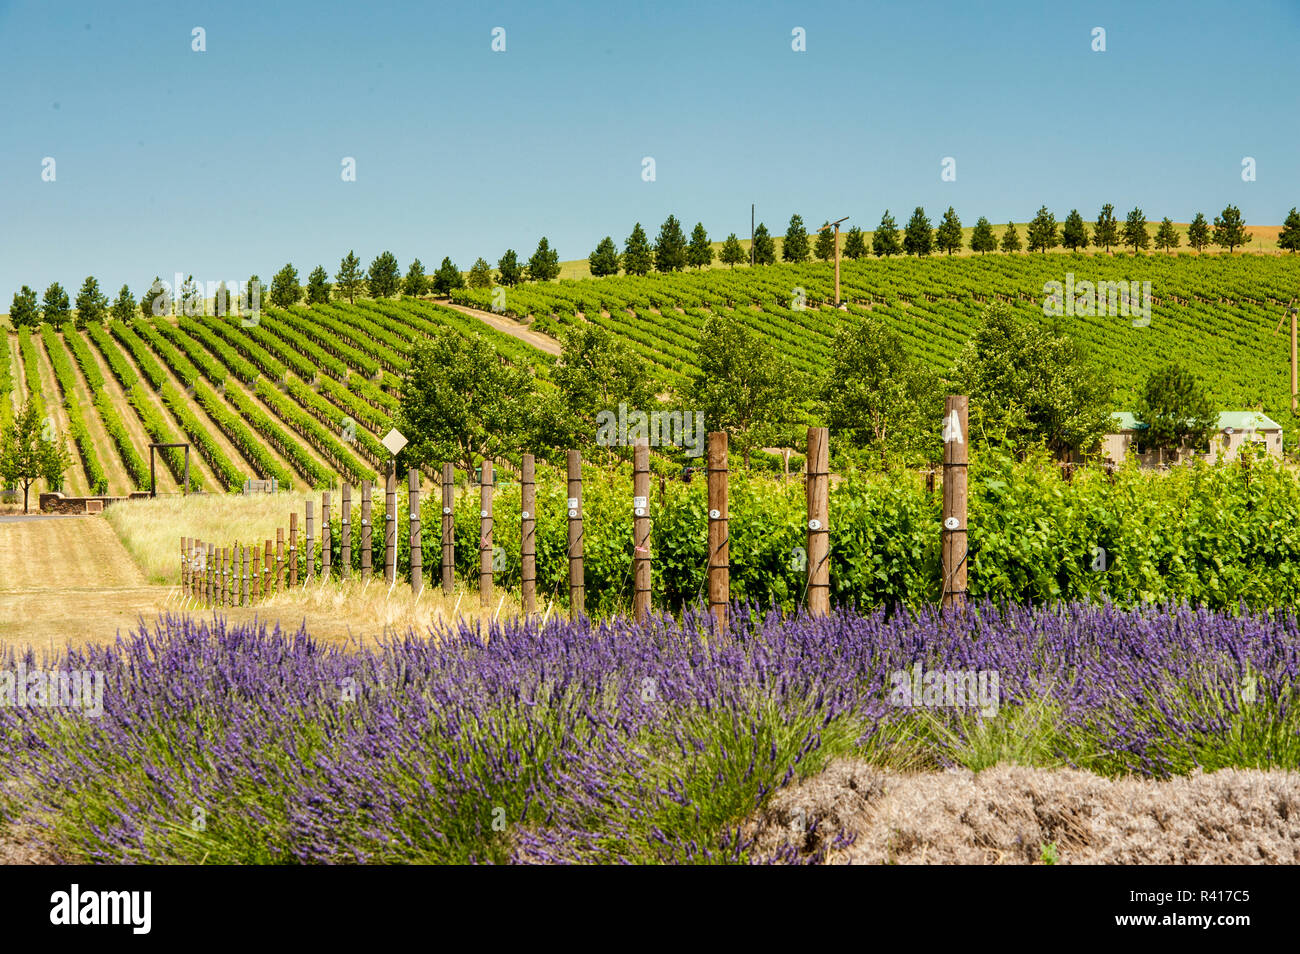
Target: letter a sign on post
[[951, 429]]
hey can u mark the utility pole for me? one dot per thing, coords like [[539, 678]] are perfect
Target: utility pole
[[836, 226]]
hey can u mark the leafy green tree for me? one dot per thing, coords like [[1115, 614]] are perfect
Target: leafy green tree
[[191, 300], [55, 307], [416, 283], [30, 450], [545, 263], [1230, 229], [824, 247], [795, 246], [1198, 233], [604, 260], [446, 278], [480, 274], [700, 250], [638, 257], [596, 372], [318, 286], [221, 300], [1289, 238], [982, 239], [764, 248], [918, 238], [124, 308], [1106, 232], [1074, 234], [877, 397], [349, 280], [156, 302], [743, 385], [733, 253], [1174, 411], [885, 241], [92, 304], [25, 310], [285, 290], [670, 246], [1135, 230], [1029, 385], [1167, 236], [1042, 232], [509, 271], [461, 401], [1010, 238], [947, 237], [855, 244], [385, 276]]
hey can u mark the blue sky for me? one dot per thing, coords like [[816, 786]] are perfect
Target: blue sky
[[227, 162]]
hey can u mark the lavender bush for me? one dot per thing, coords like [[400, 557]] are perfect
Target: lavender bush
[[604, 742]]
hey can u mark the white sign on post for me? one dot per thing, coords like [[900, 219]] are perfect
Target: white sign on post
[[394, 441]]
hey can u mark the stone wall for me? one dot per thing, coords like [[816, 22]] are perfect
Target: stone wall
[[57, 503]]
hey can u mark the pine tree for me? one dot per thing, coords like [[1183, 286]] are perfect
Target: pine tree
[[191, 301], [604, 260], [1167, 236], [733, 253], [1074, 234], [1042, 232], [447, 278], [285, 289], [156, 302], [947, 237], [885, 240], [385, 276], [700, 250], [318, 286], [1135, 230], [982, 239], [1106, 232], [55, 307], [545, 263], [824, 247], [764, 247], [1198, 233], [1289, 238], [480, 274], [1011, 238], [509, 272], [638, 258], [25, 310], [1229, 229], [795, 246], [92, 305], [124, 306], [855, 243], [918, 238], [670, 246], [416, 282], [349, 279]]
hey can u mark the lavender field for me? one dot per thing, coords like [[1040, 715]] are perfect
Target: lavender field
[[606, 742]]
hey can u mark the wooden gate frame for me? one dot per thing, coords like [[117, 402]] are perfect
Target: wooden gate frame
[[153, 480]]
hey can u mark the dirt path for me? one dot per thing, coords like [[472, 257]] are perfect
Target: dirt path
[[16, 371], [511, 327], [68, 580]]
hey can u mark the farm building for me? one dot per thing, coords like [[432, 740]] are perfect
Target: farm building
[[1233, 429]]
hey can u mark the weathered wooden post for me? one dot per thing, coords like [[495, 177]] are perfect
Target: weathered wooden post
[[816, 479], [293, 549], [243, 574], [309, 557], [417, 543], [185, 570], [267, 564], [528, 535], [326, 536], [641, 531], [257, 578], [719, 543], [210, 578], [345, 534], [485, 536], [390, 523], [366, 550], [225, 576], [279, 559], [954, 500], [577, 585], [448, 529]]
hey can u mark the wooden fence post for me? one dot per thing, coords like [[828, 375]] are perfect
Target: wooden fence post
[[390, 523], [577, 587], [279, 559], [185, 570], [528, 535], [210, 575], [345, 534], [243, 573], [954, 500], [267, 563], [817, 477], [417, 543], [641, 531], [719, 542], [367, 552], [485, 536], [293, 549], [309, 565], [257, 578], [448, 529], [326, 533], [225, 576]]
